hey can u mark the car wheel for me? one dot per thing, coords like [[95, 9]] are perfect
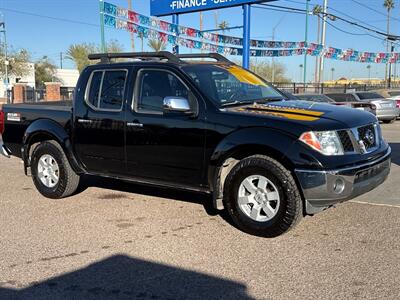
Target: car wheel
[[51, 172], [262, 198]]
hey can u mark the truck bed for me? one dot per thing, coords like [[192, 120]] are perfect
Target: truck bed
[[18, 117]]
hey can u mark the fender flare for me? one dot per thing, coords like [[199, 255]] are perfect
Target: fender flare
[[274, 143], [50, 128]]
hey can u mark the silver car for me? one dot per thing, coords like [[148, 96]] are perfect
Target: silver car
[[386, 109]]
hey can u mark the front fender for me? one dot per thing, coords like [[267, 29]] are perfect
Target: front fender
[[250, 141], [43, 129]]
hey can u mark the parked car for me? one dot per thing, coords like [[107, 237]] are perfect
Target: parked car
[[390, 94], [386, 110], [369, 107], [211, 127]]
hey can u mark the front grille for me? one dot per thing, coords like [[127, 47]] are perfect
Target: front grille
[[346, 141], [367, 135]]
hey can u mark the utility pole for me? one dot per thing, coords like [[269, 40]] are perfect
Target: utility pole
[[131, 33], [61, 60], [306, 46], [6, 62], [323, 39]]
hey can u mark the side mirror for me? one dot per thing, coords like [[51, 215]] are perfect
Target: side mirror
[[176, 104]]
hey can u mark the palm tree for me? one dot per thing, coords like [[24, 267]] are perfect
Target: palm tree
[[156, 45], [389, 5], [78, 53]]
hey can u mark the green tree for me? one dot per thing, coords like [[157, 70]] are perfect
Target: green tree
[[157, 45], [78, 53], [45, 71], [18, 62]]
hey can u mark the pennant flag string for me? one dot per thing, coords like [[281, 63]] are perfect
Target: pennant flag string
[[131, 21]]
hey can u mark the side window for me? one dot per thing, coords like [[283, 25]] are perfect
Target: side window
[[106, 90], [112, 91], [154, 86], [94, 90]]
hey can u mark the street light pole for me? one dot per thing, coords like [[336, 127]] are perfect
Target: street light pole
[[306, 41], [390, 68]]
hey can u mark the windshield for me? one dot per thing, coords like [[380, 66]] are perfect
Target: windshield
[[366, 96], [228, 84]]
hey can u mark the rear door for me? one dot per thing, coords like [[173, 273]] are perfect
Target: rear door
[[163, 146], [100, 121]]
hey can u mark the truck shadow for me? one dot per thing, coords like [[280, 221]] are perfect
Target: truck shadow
[[395, 153], [154, 191], [124, 277]]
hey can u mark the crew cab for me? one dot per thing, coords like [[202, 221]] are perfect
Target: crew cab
[[202, 125]]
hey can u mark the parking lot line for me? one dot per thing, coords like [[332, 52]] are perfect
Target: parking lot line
[[374, 204]]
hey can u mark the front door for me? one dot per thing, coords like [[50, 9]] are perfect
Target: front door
[[164, 146]]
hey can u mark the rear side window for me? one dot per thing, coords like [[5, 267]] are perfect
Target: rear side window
[[106, 90], [366, 96]]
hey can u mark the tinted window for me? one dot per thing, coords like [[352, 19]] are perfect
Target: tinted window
[[394, 94], [366, 96], [93, 96], [112, 85], [112, 91], [155, 86]]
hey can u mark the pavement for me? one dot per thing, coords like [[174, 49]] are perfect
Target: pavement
[[115, 240]]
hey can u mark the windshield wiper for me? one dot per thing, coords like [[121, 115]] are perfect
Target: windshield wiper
[[255, 101]]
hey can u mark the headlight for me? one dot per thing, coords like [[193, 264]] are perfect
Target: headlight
[[325, 142]]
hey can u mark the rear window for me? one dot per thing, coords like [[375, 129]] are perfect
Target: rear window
[[106, 90], [367, 96]]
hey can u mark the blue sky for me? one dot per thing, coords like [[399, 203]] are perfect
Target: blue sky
[[47, 36]]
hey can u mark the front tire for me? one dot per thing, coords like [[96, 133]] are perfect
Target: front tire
[[261, 197], [51, 172]]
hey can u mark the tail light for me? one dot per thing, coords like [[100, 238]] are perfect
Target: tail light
[[398, 103], [1, 122]]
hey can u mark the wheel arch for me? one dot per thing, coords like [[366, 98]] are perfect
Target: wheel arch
[[243, 144], [46, 130]]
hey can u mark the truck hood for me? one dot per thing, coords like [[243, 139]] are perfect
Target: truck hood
[[317, 116]]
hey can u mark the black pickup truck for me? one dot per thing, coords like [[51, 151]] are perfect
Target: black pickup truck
[[205, 125]]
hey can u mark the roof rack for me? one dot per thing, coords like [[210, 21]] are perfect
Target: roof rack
[[218, 57], [106, 57]]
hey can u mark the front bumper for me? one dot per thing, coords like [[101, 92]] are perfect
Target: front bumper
[[322, 189]]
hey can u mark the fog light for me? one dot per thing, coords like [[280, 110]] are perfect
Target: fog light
[[338, 186]]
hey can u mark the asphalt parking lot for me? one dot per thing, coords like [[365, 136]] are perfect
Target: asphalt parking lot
[[121, 241]]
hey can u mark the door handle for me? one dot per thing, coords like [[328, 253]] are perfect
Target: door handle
[[134, 124], [85, 121]]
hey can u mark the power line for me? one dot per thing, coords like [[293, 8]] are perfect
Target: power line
[[48, 17], [373, 9]]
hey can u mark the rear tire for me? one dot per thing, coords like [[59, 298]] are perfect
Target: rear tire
[[270, 190], [389, 121], [51, 172]]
